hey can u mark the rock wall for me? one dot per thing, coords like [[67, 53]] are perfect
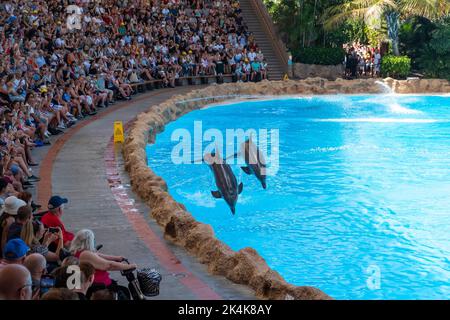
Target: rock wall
[[304, 71], [418, 85], [245, 266]]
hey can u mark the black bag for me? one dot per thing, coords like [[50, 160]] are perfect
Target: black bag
[[149, 280]]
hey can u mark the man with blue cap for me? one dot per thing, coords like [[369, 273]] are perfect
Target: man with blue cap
[[14, 253], [52, 219]]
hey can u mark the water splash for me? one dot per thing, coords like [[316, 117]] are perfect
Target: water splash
[[202, 199], [331, 213], [377, 120], [398, 109], [394, 107], [385, 87]]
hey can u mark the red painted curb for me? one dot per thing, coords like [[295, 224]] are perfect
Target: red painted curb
[[44, 188], [155, 245]]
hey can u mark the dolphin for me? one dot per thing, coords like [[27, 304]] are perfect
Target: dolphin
[[254, 160], [226, 181]]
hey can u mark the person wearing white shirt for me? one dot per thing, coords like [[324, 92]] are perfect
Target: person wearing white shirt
[[251, 55], [377, 62]]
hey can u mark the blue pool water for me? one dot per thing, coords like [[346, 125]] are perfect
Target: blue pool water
[[362, 192]]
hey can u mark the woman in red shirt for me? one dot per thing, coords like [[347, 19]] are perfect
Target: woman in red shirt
[[83, 247]]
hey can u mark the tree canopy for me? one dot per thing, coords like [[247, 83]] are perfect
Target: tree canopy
[[416, 28]]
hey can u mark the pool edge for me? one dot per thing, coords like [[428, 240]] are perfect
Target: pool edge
[[245, 266]]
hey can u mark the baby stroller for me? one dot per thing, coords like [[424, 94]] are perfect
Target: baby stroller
[[145, 284]]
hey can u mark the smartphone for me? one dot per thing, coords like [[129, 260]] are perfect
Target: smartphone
[[47, 281], [53, 230]]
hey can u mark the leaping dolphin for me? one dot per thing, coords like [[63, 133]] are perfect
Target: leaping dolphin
[[225, 179], [254, 160]]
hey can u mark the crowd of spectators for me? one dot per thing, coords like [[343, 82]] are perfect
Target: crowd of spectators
[[56, 70], [59, 65], [76, 59], [40, 256], [362, 60]]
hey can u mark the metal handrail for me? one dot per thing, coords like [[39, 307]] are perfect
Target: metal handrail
[[264, 16]]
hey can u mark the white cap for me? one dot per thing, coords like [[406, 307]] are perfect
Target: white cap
[[12, 204]]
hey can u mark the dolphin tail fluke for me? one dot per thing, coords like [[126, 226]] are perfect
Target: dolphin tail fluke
[[240, 187], [216, 194], [246, 170]]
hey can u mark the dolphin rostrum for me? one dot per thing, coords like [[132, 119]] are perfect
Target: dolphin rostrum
[[226, 181]]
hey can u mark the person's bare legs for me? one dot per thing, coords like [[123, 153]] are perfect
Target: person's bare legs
[[110, 95], [86, 107], [128, 89], [64, 112], [102, 97], [17, 186], [79, 109], [42, 129], [30, 131], [148, 75], [19, 161], [20, 152], [62, 115], [58, 116], [122, 92], [95, 99], [29, 157]]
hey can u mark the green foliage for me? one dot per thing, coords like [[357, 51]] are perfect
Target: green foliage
[[391, 11], [434, 59], [351, 30], [299, 22], [395, 67], [322, 56], [415, 35], [374, 37], [423, 34]]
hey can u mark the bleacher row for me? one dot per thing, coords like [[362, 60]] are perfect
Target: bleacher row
[[53, 75]]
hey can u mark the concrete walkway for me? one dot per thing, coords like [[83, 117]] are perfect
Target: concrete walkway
[[81, 165]]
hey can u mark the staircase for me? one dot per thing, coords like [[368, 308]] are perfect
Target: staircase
[[259, 23]]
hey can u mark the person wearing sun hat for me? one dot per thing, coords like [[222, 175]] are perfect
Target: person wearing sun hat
[[52, 219], [8, 215], [12, 204]]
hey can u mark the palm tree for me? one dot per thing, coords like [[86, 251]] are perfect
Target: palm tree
[[391, 10]]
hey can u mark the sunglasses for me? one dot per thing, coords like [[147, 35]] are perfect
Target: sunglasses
[[24, 286]]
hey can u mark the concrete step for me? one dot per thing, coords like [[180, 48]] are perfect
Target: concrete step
[[263, 40]]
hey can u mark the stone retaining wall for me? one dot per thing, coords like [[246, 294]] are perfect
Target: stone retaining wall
[[246, 266], [303, 71]]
